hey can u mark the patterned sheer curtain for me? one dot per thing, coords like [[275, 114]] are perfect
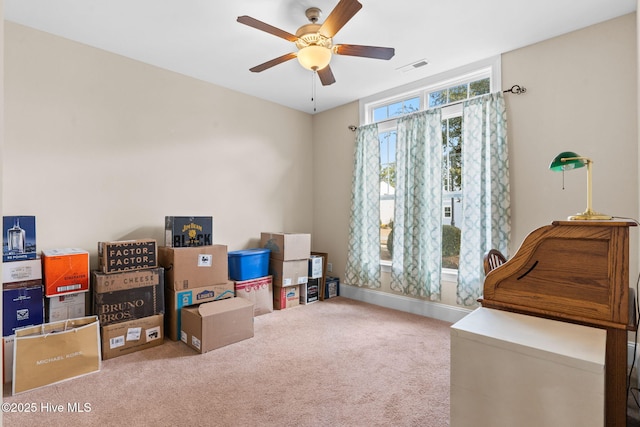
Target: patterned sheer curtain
[[363, 259], [486, 215], [417, 228]]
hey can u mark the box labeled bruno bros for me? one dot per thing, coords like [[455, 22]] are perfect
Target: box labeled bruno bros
[[119, 297]]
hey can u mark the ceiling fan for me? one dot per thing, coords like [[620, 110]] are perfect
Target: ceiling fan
[[315, 41]]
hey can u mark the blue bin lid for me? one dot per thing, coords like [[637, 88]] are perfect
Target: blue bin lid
[[250, 251]]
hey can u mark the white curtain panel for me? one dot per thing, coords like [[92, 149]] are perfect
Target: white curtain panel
[[363, 259], [417, 229], [486, 215]]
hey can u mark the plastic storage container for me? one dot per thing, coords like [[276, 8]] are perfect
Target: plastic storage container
[[248, 264]]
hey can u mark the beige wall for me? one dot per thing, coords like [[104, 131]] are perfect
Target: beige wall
[[100, 147], [581, 96]]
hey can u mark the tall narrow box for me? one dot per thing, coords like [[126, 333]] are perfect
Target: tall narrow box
[[315, 267], [310, 291], [18, 238], [65, 271], [186, 231]]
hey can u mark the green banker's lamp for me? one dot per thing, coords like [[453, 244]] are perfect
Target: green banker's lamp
[[569, 160]]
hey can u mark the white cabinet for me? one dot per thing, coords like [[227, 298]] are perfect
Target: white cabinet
[[509, 369]]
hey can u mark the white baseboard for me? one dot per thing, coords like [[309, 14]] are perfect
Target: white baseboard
[[435, 310]]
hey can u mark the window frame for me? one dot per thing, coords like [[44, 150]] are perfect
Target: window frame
[[490, 67]]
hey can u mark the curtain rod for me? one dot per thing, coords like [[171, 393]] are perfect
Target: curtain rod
[[515, 89]]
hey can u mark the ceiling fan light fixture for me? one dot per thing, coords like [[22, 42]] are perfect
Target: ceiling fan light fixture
[[314, 57]]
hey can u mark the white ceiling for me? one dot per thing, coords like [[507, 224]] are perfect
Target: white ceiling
[[201, 38]]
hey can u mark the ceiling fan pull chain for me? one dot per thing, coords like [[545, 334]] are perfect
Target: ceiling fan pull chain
[[313, 89]]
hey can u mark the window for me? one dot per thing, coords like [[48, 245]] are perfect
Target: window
[[441, 93]]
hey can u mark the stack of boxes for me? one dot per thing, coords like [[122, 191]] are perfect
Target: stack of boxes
[[249, 269], [196, 270], [311, 292], [66, 283], [289, 265], [22, 288], [128, 296]]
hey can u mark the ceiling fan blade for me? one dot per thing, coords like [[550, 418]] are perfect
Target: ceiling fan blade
[[365, 51], [273, 62], [326, 76], [339, 16], [252, 22]]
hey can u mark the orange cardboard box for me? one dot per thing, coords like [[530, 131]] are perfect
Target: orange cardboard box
[[65, 271]]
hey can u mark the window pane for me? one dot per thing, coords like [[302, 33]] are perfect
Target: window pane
[[411, 105], [452, 191], [380, 113], [452, 154], [387, 190], [437, 98], [479, 87], [395, 109], [457, 93], [451, 234]]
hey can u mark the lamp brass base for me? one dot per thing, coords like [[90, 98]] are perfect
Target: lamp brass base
[[589, 215]]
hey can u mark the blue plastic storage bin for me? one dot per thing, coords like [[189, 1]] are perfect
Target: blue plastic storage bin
[[248, 264]]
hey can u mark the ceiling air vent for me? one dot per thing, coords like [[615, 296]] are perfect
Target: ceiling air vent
[[413, 65]]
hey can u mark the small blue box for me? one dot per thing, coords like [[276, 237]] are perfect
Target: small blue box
[[18, 238], [22, 306], [248, 264]]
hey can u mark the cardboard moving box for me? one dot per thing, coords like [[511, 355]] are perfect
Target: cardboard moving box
[[134, 335], [259, 292], [176, 300], [286, 297], [129, 295], [195, 267], [216, 324], [65, 271], [126, 255], [287, 246], [289, 273]]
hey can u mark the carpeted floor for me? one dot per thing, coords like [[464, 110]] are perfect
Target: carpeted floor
[[333, 363]]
